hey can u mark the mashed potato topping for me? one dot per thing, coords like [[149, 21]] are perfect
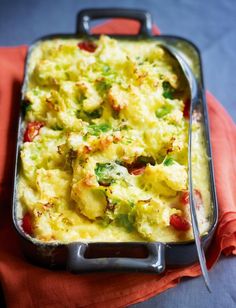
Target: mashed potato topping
[[104, 155]]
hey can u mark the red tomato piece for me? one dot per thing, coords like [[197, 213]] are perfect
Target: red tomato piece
[[32, 130], [186, 108], [184, 198], [137, 171], [87, 46], [179, 222], [27, 224]]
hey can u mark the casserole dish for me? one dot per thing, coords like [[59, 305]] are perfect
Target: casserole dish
[[146, 256]]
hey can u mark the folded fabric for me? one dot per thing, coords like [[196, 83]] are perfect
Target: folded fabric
[[25, 285]]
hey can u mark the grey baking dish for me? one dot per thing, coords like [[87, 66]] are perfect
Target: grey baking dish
[[128, 256]]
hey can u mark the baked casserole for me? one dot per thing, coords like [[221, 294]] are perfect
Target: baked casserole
[[104, 156]]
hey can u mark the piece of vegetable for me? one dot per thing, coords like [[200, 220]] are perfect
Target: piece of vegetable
[[97, 129], [137, 171], [105, 173], [87, 46], [168, 161], [179, 222], [27, 223], [103, 86], [184, 198], [186, 108], [163, 111], [126, 221], [168, 90], [138, 166], [32, 130]]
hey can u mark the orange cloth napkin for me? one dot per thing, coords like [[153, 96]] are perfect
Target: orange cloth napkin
[[25, 285]]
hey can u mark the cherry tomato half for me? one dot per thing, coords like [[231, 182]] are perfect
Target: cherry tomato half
[[184, 198], [87, 46], [186, 108], [179, 222], [32, 130], [137, 171], [27, 223]]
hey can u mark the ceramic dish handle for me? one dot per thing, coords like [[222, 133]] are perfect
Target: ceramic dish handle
[[85, 16], [79, 259]]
